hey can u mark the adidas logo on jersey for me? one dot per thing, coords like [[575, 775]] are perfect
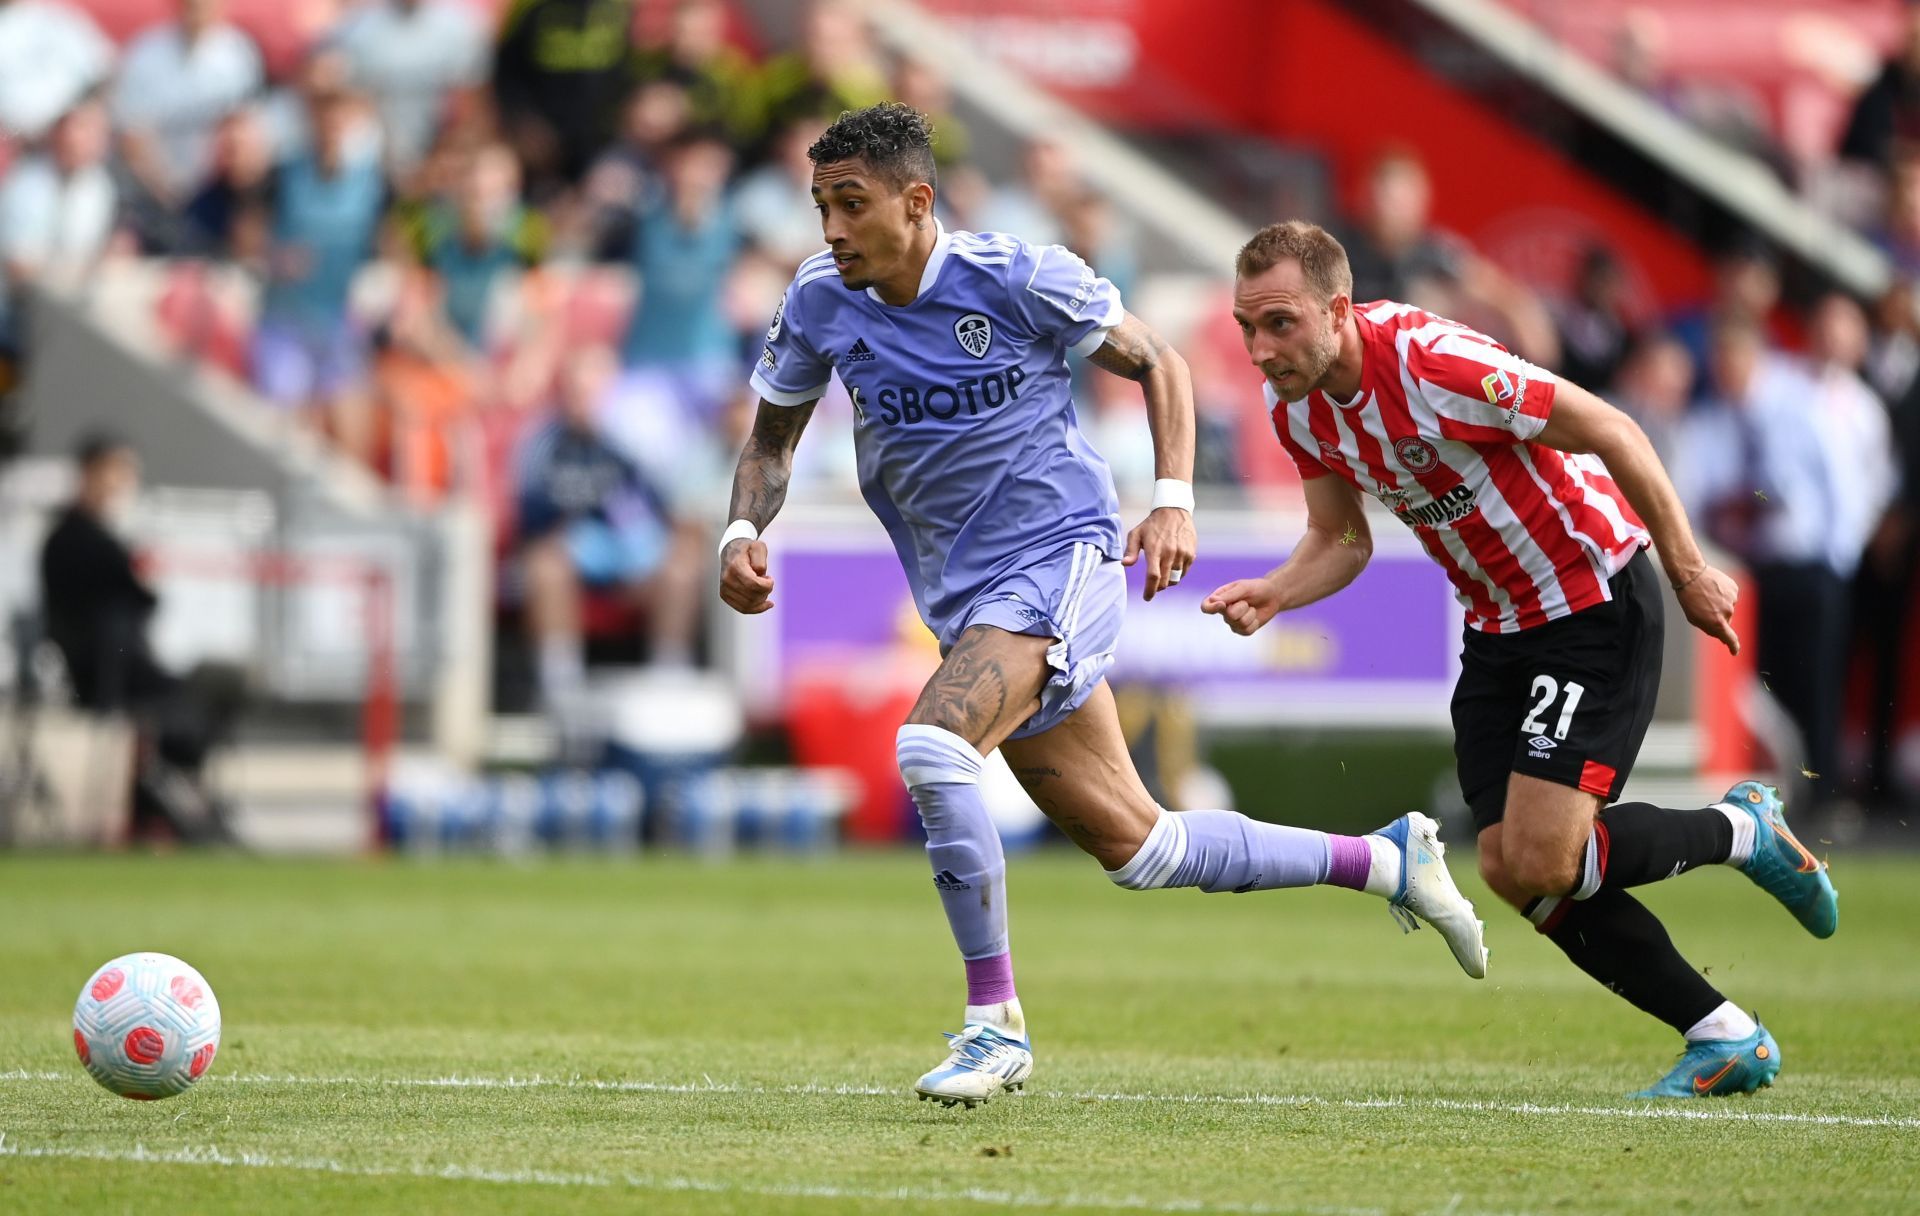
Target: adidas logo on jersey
[[947, 880], [859, 352]]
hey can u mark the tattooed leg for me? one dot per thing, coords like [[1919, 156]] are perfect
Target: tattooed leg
[[988, 685], [1082, 776]]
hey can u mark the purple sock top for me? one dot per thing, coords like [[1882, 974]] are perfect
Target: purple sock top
[[1349, 861], [990, 980]]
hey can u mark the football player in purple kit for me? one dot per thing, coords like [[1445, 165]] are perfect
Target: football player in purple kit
[[953, 348]]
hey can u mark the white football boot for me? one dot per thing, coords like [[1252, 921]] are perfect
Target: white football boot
[[984, 1062], [1427, 892]]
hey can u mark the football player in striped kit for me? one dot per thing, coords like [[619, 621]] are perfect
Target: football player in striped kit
[[1539, 500]]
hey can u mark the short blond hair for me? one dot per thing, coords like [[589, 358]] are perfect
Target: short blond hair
[[1323, 260]]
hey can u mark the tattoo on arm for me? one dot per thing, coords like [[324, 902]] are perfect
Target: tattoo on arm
[[1131, 350], [766, 462]]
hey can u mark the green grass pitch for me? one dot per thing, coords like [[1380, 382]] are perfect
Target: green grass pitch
[[665, 1036]]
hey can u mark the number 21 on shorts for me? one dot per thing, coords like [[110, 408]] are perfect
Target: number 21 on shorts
[[1545, 690]]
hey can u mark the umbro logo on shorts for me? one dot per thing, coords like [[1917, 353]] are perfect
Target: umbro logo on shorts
[[859, 352]]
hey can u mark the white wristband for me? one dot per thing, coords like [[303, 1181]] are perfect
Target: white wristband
[[1172, 492], [739, 529]]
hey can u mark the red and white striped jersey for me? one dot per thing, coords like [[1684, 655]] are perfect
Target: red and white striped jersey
[[1441, 433]]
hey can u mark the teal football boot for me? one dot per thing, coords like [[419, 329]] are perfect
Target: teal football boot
[[1781, 866], [1715, 1068]]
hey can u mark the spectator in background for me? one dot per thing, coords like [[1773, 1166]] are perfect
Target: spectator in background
[[307, 354], [410, 57], [1746, 289], [1090, 229], [717, 78], [834, 70], [589, 519], [1654, 386], [1837, 346], [97, 608], [1899, 232], [1889, 581], [1396, 253], [919, 85], [287, 112], [616, 186], [774, 203], [57, 209], [1593, 324], [96, 603], [1031, 206], [480, 241], [1887, 114], [1893, 351], [57, 214], [176, 83], [468, 329], [561, 70], [965, 196], [232, 215], [1791, 465], [683, 253], [51, 55]]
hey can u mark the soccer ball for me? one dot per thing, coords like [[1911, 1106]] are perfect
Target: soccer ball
[[146, 1026]]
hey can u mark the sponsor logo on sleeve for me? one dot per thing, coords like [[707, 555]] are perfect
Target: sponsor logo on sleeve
[[768, 359], [1500, 388], [1497, 385]]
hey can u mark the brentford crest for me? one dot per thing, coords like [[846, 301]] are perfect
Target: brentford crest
[[1415, 454], [975, 333]]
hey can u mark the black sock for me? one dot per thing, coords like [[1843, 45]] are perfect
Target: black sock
[[1616, 940], [1640, 843]]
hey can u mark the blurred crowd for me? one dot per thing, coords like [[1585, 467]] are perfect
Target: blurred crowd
[[528, 259], [525, 258]]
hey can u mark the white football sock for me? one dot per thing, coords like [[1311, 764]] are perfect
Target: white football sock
[[1005, 1016], [1383, 877], [1727, 1022], [1744, 826]]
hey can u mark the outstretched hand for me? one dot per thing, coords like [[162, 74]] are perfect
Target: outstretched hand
[[1167, 543], [1244, 604], [1708, 600]]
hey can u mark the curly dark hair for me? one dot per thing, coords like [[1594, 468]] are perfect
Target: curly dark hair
[[894, 140]]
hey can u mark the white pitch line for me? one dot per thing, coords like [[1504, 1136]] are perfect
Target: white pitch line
[[1711, 1114], [211, 1156]]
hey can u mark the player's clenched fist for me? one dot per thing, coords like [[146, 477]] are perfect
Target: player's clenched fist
[[1244, 604], [744, 584]]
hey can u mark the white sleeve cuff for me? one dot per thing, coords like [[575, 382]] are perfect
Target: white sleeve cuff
[[1092, 342], [781, 396]]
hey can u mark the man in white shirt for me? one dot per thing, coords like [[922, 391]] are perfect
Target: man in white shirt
[[409, 56], [177, 82], [50, 56], [1791, 464], [56, 216], [56, 207]]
